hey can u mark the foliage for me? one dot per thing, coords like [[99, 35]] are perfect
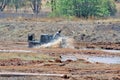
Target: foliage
[[84, 8]]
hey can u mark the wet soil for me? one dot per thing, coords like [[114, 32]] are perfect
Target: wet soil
[[80, 69]]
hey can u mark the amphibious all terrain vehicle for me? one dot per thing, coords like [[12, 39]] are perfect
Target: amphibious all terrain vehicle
[[44, 39]]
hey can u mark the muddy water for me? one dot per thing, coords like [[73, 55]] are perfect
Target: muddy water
[[68, 57], [104, 50], [92, 59], [102, 59], [112, 51], [106, 60]]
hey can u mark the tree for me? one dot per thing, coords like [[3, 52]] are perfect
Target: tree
[[3, 4], [16, 3], [85, 8], [36, 6], [53, 4]]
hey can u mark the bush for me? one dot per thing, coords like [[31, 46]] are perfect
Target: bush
[[84, 8]]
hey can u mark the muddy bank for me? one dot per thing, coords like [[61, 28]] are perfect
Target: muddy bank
[[79, 68]]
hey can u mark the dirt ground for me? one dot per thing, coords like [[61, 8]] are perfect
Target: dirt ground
[[82, 30], [15, 56], [47, 60]]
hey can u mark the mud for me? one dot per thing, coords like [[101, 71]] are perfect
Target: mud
[[18, 62], [79, 68], [99, 45]]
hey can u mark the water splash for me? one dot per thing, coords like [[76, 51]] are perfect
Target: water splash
[[62, 42]]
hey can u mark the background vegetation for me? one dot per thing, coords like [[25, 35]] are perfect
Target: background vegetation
[[78, 8], [34, 4], [84, 8]]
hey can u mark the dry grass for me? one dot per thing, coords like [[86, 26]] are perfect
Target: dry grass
[[58, 19], [25, 56]]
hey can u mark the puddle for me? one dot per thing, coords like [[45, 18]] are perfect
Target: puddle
[[103, 59], [22, 51], [112, 51], [106, 59], [92, 59], [105, 50], [68, 57]]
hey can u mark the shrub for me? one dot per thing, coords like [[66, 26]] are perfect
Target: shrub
[[84, 8]]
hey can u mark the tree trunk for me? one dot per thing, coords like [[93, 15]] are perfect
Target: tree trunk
[[53, 3], [3, 5], [36, 5], [16, 8]]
